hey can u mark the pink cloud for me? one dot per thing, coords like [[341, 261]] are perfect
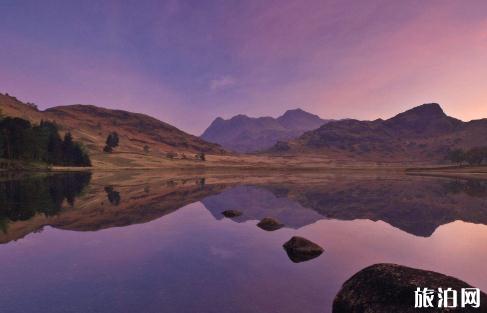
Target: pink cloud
[[222, 83]]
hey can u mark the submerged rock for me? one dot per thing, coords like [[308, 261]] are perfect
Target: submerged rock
[[231, 213], [300, 249], [391, 288], [270, 224]]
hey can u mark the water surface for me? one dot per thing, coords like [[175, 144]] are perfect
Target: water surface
[[157, 242]]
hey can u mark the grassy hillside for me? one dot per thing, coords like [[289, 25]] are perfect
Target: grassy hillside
[[144, 141]]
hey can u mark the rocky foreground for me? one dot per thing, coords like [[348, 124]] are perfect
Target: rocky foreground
[[386, 288]]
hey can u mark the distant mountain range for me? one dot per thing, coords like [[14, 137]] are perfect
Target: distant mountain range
[[248, 134], [422, 133]]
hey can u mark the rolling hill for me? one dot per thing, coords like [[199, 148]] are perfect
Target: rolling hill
[[91, 125], [424, 133], [248, 134]]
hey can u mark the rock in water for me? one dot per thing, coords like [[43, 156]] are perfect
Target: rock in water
[[385, 288], [269, 224], [300, 249], [231, 213]]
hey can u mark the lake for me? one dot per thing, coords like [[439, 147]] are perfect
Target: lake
[[158, 242]]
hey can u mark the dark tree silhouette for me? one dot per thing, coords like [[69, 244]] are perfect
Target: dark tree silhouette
[[476, 156], [20, 140], [456, 156], [201, 156], [111, 142], [112, 195]]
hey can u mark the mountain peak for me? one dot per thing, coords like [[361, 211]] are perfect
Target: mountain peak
[[245, 134], [296, 112], [424, 120], [299, 119], [239, 117], [430, 110]]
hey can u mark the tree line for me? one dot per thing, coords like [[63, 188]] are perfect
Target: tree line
[[473, 156], [20, 140]]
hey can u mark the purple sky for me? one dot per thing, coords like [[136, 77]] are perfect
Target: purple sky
[[187, 62]]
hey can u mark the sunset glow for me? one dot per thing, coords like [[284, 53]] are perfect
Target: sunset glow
[[187, 62]]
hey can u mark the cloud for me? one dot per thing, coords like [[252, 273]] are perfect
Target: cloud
[[222, 83]]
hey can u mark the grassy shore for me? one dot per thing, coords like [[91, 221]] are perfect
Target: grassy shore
[[454, 170], [15, 165], [134, 161]]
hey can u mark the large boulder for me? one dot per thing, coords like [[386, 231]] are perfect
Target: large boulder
[[231, 213], [300, 249], [385, 288], [270, 224]]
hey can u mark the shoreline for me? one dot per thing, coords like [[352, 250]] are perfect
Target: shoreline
[[405, 169]]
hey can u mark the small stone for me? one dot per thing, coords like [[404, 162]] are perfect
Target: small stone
[[231, 213], [270, 224], [300, 249]]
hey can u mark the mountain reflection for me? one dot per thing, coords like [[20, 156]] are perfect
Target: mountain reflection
[[417, 205], [413, 204]]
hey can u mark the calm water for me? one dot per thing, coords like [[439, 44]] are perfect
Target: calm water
[[157, 242]]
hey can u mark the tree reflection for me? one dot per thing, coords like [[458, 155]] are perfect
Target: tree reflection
[[471, 187], [112, 195], [21, 199]]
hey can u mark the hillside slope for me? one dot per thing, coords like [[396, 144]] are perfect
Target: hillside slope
[[248, 134], [422, 133], [91, 125]]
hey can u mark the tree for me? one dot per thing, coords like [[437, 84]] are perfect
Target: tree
[[2, 145], [146, 149], [170, 155], [54, 147], [111, 142], [476, 156], [14, 132], [201, 156], [67, 148], [79, 157], [456, 156]]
